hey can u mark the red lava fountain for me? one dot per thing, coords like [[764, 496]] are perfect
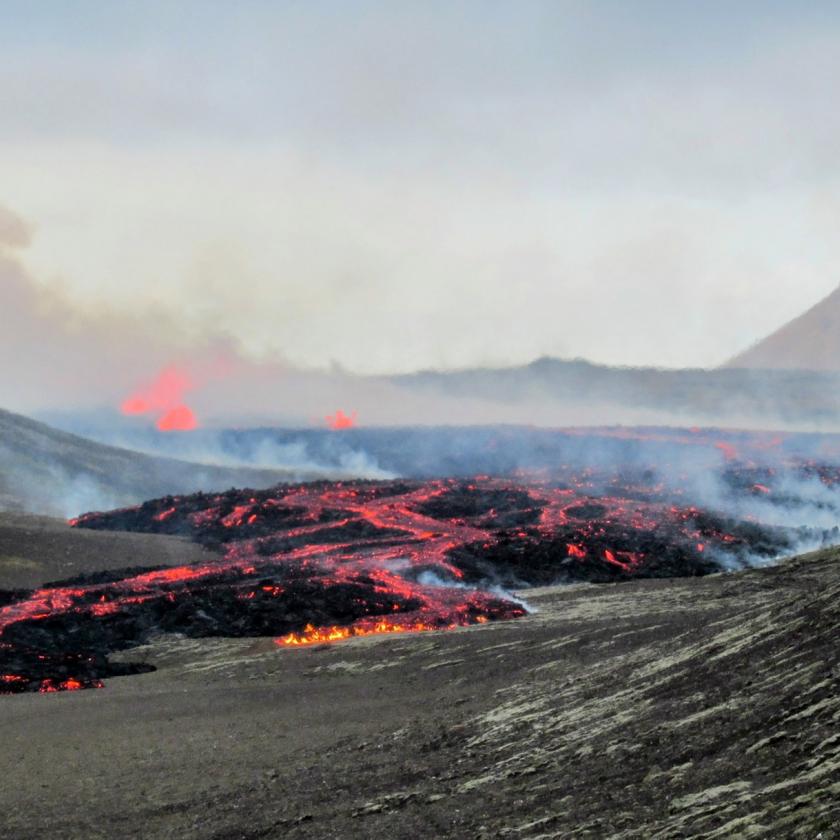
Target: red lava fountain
[[178, 419], [340, 420], [163, 397]]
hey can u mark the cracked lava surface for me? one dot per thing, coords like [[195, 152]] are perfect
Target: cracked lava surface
[[327, 561]]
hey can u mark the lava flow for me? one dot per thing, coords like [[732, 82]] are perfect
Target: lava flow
[[327, 561]]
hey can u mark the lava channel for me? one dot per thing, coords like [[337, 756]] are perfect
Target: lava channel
[[327, 561]]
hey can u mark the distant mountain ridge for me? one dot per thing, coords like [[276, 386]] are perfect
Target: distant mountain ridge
[[731, 395], [811, 341]]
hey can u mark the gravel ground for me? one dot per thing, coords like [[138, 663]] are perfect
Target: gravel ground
[[652, 709]]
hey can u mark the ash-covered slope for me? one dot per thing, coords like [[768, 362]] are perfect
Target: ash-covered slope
[[702, 707], [808, 342], [35, 550], [44, 470]]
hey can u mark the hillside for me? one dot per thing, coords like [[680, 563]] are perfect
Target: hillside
[[808, 342], [35, 550], [702, 707], [591, 393], [44, 470]]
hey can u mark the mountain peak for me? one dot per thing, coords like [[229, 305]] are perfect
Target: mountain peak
[[810, 341]]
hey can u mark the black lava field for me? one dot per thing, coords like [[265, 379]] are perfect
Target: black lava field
[[325, 561]]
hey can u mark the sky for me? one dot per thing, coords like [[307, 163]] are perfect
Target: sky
[[392, 186]]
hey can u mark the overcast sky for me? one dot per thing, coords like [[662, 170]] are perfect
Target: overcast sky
[[392, 186]]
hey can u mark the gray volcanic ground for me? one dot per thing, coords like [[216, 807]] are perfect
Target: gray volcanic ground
[[704, 707]]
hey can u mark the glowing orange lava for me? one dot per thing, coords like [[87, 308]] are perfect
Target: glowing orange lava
[[165, 391], [164, 397], [340, 420], [314, 635], [178, 419]]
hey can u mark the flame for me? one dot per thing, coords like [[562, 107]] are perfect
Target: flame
[[164, 397], [135, 405], [178, 419], [164, 392], [313, 635], [340, 420]]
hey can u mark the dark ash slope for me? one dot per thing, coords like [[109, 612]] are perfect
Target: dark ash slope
[[706, 707]]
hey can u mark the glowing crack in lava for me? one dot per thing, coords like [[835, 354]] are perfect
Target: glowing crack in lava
[[340, 420], [327, 561], [163, 397]]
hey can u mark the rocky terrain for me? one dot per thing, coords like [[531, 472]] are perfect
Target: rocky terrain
[[700, 707]]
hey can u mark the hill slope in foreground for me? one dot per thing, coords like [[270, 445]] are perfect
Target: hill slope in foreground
[[44, 470], [702, 707]]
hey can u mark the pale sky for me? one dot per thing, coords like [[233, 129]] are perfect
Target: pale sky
[[392, 186]]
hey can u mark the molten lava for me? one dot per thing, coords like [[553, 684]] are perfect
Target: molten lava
[[340, 420], [314, 635], [165, 391], [177, 419], [163, 397], [328, 561]]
